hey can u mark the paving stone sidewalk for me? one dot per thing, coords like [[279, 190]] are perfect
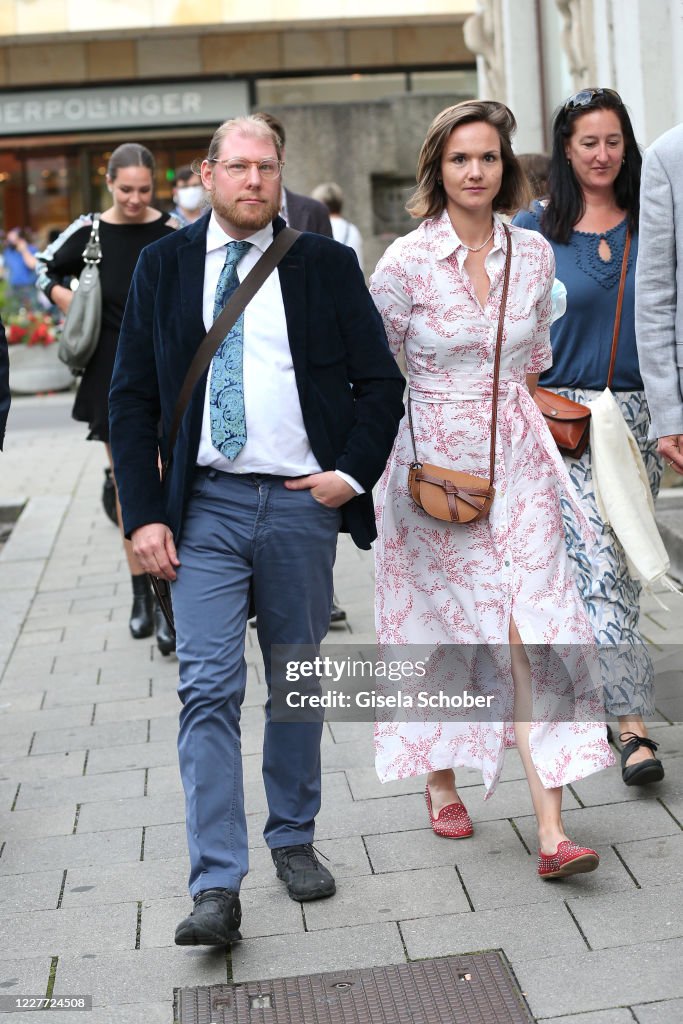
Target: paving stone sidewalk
[[92, 848]]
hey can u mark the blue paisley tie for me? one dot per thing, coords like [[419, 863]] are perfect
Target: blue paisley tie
[[228, 425]]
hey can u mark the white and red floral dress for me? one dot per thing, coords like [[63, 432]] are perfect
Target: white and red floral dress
[[449, 584]]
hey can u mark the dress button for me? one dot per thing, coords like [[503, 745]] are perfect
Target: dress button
[[507, 564]]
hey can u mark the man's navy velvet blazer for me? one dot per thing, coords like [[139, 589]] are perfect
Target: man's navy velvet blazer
[[350, 389]]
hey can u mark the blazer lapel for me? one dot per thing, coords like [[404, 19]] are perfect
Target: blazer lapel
[[191, 260]]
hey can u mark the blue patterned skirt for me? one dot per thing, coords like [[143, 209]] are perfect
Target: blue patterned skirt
[[610, 594]]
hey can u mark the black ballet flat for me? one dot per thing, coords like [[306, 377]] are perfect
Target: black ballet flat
[[644, 772]]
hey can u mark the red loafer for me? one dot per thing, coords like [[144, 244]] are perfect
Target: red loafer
[[452, 821], [568, 859]]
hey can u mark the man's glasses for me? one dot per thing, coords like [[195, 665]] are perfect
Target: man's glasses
[[586, 96], [236, 168]]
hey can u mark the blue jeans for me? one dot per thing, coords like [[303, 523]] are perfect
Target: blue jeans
[[242, 531]]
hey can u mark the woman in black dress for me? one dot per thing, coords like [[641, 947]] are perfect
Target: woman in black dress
[[126, 228]]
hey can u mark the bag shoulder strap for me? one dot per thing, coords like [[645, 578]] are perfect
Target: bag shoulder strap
[[230, 314], [93, 250], [499, 344], [620, 302], [496, 363]]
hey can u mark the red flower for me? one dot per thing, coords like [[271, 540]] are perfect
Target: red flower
[[30, 328], [40, 336], [15, 334]]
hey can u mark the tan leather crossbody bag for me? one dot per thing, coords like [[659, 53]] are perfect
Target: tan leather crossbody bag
[[450, 494]]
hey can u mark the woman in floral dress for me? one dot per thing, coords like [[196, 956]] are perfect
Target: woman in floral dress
[[504, 583]]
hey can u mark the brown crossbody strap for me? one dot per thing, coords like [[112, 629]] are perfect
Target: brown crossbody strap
[[620, 302], [230, 314], [496, 362]]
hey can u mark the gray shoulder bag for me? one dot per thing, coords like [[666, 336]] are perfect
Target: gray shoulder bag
[[80, 332]]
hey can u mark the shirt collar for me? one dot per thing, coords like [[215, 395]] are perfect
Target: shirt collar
[[217, 238], [445, 240]]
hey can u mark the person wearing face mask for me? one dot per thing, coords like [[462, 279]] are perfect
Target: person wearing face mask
[[126, 227], [189, 196]]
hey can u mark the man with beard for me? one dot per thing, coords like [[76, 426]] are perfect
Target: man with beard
[[280, 446]]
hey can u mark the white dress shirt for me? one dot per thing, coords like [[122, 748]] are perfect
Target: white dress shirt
[[277, 442], [348, 234]]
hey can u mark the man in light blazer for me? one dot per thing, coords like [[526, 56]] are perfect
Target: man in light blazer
[[659, 292], [257, 491]]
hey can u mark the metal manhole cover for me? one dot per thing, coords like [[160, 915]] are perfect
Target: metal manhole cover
[[474, 989]]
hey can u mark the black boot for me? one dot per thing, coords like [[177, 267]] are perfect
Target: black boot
[[165, 637], [109, 496], [337, 614], [141, 620]]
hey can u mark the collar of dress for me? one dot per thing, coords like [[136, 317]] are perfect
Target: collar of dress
[[445, 241]]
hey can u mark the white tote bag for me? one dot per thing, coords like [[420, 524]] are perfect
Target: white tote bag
[[623, 494]]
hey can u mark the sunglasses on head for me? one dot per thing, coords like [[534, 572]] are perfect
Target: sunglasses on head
[[586, 96]]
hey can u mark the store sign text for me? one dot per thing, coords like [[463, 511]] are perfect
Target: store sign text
[[127, 106]]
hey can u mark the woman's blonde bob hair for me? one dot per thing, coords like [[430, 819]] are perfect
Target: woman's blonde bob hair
[[429, 199]]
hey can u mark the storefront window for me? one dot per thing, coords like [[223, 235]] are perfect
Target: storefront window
[[12, 204], [45, 190], [52, 191]]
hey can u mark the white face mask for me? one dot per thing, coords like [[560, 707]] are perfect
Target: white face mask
[[190, 197]]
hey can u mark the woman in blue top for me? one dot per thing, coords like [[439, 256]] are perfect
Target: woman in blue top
[[593, 200]]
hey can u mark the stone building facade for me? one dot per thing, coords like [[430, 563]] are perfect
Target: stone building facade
[[355, 85], [532, 54]]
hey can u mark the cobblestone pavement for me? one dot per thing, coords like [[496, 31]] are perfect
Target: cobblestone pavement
[[92, 849]]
